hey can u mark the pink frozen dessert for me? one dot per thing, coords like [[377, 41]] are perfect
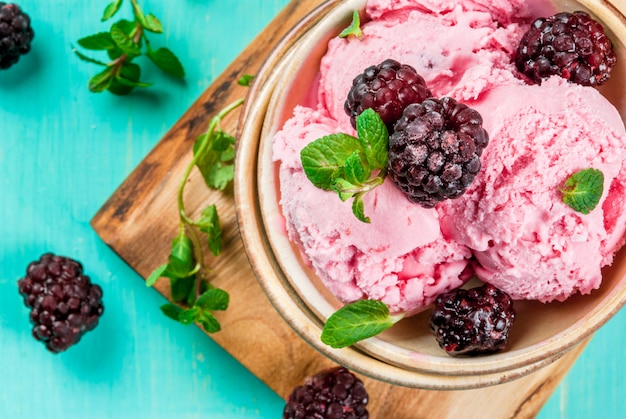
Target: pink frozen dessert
[[511, 227], [526, 241]]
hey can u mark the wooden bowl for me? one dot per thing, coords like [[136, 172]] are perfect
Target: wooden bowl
[[407, 354]]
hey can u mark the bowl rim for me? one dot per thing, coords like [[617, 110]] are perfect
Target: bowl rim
[[294, 310]]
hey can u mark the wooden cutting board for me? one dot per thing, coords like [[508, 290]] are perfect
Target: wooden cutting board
[[140, 219]]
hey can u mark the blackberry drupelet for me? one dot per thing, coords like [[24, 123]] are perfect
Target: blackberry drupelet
[[472, 322], [335, 393], [571, 45], [434, 152], [386, 88], [16, 34], [64, 303]]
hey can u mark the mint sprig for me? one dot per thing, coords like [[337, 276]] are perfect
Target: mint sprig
[[194, 297], [355, 27], [350, 166], [582, 190], [357, 321], [124, 42]]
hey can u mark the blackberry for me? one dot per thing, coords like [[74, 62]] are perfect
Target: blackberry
[[335, 393], [571, 45], [434, 151], [15, 34], [472, 322], [386, 88], [64, 303]]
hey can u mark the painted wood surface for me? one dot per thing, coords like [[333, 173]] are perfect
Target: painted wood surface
[[64, 151]]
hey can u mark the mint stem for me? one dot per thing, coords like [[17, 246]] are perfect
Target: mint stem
[[185, 221]]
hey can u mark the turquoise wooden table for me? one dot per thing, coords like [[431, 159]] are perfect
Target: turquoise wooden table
[[64, 151]]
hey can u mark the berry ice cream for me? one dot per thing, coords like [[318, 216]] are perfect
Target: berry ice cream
[[510, 228]]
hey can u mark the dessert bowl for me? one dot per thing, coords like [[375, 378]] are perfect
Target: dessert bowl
[[406, 354]]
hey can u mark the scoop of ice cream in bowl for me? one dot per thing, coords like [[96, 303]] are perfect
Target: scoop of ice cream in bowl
[[432, 193]]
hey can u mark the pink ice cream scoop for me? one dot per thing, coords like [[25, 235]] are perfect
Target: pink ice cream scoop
[[400, 258], [526, 241]]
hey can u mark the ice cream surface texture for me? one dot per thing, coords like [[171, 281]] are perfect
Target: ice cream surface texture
[[511, 227]]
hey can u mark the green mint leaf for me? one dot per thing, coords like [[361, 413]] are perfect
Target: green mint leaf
[[97, 42], [209, 322], [156, 274], [181, 288], [188, 316], [127, 26], [167, 62], [131, 73], [324, 159], [172, 311], [374, 137], [181, 259], [131, 83], [344, 189], [153, 24], [114, 53], [141, 18], [358, 208], [85, 58], [124, 41], [209, 223], [213, 299], [355, 27], [101, 81], [356, 172], [111, 10], [357, 321], [582, 191], [245, 80], [215, 159]]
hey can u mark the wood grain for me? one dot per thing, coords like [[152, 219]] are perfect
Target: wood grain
[[140, 219]]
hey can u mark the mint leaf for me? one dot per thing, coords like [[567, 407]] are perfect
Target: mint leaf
[[172, 311], [188, 316], [101, 81], [181, 259], [355, 27], [127, 26], [582, 190], [181, 288], [209, 322], [153, 24], [356, 172], [344, 188], [123, 40], [111, 10], [86, 58], [167, 62], [373, 134], [156, 274], [358, 208], [215, 154], [245, 80], [213, 299], [357, 321], [98, 41], [209, 223], [324, 159], [127, 79]]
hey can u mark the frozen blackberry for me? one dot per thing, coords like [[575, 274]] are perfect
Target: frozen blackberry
[[335, 393], [472, 322], [571, 45], [386, 88], [64, 303], [434, 151], [15, 34]]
